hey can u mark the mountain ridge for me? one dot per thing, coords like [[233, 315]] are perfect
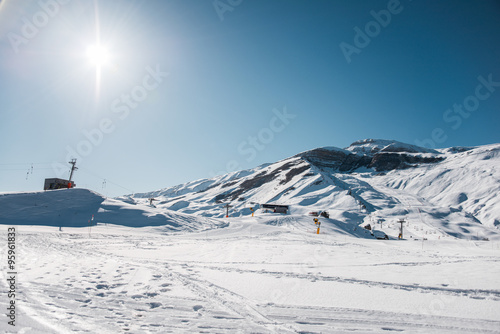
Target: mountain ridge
[[370, 179]]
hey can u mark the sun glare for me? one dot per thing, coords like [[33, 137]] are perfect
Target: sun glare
[[98, 55]]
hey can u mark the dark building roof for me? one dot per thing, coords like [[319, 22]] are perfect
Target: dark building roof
[[273, 206]]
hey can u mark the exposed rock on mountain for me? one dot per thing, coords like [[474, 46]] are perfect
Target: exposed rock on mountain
[[381, 155]]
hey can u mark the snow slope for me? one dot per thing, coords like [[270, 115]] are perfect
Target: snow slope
[[81, 208], [468, 181]]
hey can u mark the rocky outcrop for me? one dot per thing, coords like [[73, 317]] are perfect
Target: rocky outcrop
[[290, 169], [370, 154], [389, 161], [336, 159]]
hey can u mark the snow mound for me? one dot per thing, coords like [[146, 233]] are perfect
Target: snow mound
[[65, 207], [81, 207]]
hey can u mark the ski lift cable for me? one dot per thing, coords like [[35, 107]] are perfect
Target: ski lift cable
[[26, 163], [85, 170], [13, 169], [31, 166]]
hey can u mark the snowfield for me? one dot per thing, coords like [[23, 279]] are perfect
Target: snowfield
[[263, 274]]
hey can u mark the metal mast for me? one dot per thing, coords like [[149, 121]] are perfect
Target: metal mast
[[73, 168], [401, 221], [227, 206]]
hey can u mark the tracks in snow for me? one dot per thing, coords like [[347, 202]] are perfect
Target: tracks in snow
[[94, 290], [469, 293]]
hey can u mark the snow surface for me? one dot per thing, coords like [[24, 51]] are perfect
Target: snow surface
[[82, 207], [262, 274]]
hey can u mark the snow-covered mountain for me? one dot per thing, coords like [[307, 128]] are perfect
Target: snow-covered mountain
[[444, 191]]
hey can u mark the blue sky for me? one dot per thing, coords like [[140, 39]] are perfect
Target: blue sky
[[194, 88]]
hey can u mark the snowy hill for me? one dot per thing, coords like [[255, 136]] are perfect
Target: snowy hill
[[441, 193], [75, 207]]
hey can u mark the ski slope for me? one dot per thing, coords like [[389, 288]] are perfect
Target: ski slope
[[81, 208], [263, 274]]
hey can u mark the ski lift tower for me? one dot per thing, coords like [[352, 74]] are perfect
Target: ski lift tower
[[401, 221], [73, 168], [227, 206]]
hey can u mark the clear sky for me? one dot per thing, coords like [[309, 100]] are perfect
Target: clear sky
[[185, 89]]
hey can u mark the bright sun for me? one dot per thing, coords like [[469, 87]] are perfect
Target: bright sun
[[98, 55]]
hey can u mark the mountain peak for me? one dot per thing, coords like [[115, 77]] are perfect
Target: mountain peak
[[376, 154], [372, 146]]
